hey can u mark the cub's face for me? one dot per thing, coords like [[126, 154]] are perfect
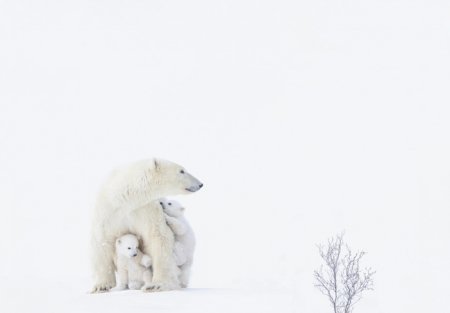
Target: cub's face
[[172, 208], [127, 246], [177, 177]]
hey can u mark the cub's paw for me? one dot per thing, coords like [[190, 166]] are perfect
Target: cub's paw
[[148, 263], [167, 217], [119, 288], [100, 288]]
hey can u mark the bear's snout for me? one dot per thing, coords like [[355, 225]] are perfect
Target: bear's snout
[[195, 188], [134, 255]]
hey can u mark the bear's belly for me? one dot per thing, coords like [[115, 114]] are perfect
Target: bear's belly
[[118, 224]]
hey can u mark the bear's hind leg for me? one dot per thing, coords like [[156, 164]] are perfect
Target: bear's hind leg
[[102, 255]]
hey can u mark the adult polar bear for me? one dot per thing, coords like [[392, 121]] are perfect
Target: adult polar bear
[[127, 202]]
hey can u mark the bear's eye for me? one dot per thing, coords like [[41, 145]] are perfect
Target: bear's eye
[[170, 203], [181, 171], [129, 248]]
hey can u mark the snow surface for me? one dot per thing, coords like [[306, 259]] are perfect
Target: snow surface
[[15, 298], [190, 300], [301, 118]]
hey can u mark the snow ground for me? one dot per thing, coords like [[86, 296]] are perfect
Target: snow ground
[[50, 295], [196, 300], [57, 297]]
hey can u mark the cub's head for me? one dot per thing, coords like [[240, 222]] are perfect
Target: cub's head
[[174, 179], [127, 246], [171, 207]]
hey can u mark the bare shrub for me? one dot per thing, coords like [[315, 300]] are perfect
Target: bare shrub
[[341, 279]]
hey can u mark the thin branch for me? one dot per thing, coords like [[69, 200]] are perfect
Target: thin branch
[[342, 280]]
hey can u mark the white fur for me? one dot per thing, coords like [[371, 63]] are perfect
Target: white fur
[[133, 267], [127, 202], [184, 238]]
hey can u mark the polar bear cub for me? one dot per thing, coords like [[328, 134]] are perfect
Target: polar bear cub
[[132, 265], [184, 238]]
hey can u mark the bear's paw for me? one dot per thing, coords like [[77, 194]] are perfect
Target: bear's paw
[[105, 287], [155, 287]]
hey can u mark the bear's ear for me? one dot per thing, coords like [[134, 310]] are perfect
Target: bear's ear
[[182, 209], [163, 199], [138, 237], [118, 241]]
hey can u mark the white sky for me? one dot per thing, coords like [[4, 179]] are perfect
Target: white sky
[[302, 118]]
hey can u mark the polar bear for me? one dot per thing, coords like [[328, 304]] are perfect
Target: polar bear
[[127, 202], [133, 266], [184, 238]]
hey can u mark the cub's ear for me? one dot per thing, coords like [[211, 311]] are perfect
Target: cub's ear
[[138, 237], [157, 165], [118, 241], [182, 209]]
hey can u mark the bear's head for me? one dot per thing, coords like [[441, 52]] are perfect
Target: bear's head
[[127, 245], [171, 207], [174, 179]]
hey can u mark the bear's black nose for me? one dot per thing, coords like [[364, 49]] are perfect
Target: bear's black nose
[[160, 203], [201, 185], [134, 255]]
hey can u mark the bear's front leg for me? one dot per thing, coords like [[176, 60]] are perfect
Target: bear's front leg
[[102, 253], [165, 271]]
